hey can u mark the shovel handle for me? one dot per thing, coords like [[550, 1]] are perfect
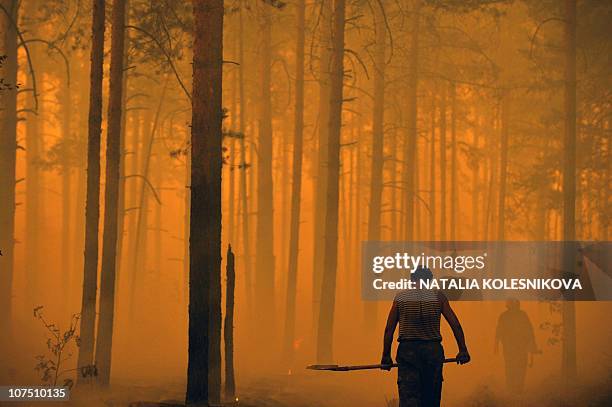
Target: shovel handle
[[336, 368]]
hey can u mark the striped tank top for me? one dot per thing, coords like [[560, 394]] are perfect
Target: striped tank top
[[419, 315]]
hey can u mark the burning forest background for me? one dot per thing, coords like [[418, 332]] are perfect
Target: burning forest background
[[321, 124]]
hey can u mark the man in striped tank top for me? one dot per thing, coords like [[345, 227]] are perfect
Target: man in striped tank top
[[420, 355]]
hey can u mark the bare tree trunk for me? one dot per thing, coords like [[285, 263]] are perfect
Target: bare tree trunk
[[503, 170], [264, 268], [33, 218], [243, 171], [8, 158], [104, 341], [228, 328], [475, 165], [412, 136], [296, 187], [568, 360], [186, 223], [454, 187], [328, 287], [443, 163], [121, 215], [432, 171], [92, 205], [378, 135], [320, 193], [203, 371], [66, 171]]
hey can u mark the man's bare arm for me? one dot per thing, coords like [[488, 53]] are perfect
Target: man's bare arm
[[392, 320], [463, 356]]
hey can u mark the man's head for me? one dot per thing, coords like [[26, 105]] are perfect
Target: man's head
[[512, 304], [421, 273]]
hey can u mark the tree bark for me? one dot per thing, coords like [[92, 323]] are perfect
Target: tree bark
[[104, 340], [243, 171], [33, 218], [203, 370], [92, 205], [296, 187], [8, 158], [442, 163], [454, 213], [228, 328], [264, 268], [330, 258], [568, 359], [503, 168], [378, 135], [412, 136], [320, 193], [66, 172], [432, 171]]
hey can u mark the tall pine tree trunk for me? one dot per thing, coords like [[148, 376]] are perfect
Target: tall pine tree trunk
[[320, 193], [205, 234], [432, 171], [33, 218], [104, 340], [442, 163], [264, 267], [92, 205], [66, 172], [244, 207], [330, 258], [412, 136], [454, 213], [8, 152], [568, 311], [296, 187], [228, 326], [503, 168], [378, 135]]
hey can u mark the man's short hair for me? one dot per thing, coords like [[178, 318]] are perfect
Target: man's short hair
[[421, 273]]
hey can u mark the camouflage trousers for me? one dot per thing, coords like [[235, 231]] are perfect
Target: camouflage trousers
[[419, 377]]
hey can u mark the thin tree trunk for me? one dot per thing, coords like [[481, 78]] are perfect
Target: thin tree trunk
[[104, 341], [157, 215], [475, 165], [203, 370], [503, 170], [568, 360], [33, 218], [264, 268], [296, 187], [8, 157], [123, 147], [186, 223], [432, 171], [443, 163], [321, 176], [92, 205], [412, 136], [378, 135], [66, 198], [243, 171], [454, 214], [330, 259], [228, 328]]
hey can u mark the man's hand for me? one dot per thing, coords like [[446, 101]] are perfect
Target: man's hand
[[463, 357], [386, 362]]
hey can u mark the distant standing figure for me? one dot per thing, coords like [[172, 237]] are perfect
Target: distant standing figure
[[515, 332]]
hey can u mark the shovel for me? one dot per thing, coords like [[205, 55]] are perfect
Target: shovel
[[338, 368]]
